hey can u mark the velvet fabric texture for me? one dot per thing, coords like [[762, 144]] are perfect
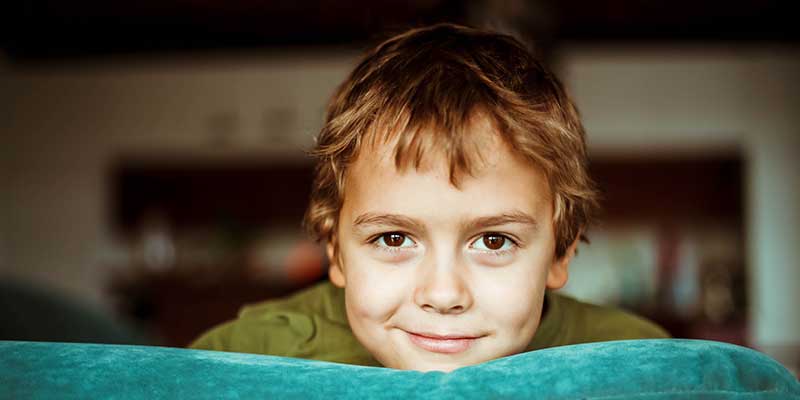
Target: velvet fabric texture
[[636, 369]]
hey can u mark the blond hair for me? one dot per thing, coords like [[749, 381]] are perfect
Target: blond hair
[[423, 88]]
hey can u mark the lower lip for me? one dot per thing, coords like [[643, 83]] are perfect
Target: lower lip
[[446, 346]]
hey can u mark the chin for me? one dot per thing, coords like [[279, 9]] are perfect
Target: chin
[[429, 366], [435, 367]]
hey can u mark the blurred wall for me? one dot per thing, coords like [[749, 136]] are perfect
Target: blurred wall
[[63, 126], [702, 100]]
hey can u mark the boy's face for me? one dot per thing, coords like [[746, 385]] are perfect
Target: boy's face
[[439, 277]]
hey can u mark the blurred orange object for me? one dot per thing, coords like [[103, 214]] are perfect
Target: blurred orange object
[[304, 263]]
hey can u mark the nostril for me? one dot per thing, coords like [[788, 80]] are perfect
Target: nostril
[[443, 310]]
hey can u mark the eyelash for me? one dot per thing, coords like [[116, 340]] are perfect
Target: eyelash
[[496, 253], [514, 244], [392, 249]]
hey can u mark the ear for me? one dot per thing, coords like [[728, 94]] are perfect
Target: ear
[[335, 272], [558, 273]]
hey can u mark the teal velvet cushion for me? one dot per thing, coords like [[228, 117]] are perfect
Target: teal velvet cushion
[[644, 369]]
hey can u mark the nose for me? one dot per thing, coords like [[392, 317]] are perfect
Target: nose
[[443, 289]]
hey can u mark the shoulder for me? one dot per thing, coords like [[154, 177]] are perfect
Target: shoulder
[[322, 299], [585, 322], [284, 327]]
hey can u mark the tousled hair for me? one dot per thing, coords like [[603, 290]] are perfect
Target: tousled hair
[[422, 90]]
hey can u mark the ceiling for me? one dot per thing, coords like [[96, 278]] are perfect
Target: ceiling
[[38, 29]]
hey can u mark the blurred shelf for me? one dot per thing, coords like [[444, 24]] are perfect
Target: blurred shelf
[[177, 307], [670, 189]]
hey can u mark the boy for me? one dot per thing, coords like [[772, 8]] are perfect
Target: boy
[[451, 192]]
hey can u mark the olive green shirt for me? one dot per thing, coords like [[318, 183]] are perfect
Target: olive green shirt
[[312, 324]]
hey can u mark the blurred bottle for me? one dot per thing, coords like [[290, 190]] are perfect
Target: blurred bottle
[[156, 246]]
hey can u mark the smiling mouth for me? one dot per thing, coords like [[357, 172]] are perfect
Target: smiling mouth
[[446, 344]]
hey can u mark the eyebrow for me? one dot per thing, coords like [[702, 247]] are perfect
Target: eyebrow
[[372, 219], [513, 217], [366, 220]]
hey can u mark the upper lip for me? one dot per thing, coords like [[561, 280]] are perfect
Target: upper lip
[[445, 336]]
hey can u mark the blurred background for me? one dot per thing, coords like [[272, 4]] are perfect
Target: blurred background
[[153, 174]]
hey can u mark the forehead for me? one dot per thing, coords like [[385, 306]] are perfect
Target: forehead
[[495, 172], [460, 150]]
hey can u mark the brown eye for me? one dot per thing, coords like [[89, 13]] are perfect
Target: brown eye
[[494, 242], [393, 239]]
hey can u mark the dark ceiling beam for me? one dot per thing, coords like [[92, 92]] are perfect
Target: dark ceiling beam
[[38, 29]]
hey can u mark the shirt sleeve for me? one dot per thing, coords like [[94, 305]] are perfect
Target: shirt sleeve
[[599, 324], [231, 336], [272, 333], [570, 321], [214, 339]]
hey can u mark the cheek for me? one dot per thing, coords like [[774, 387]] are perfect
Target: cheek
[[513, 295], [373, 292], [514, 304]]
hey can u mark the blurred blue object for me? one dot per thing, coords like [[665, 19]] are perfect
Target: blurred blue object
[[37, 313], [633, 369]]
